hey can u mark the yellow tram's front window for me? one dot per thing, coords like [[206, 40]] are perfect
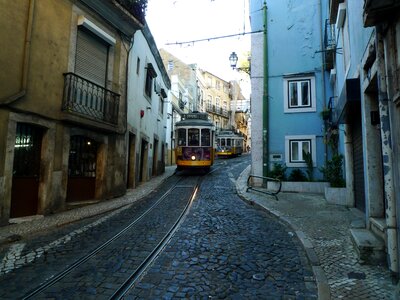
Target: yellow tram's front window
[[194, 137], [181, 137], [205, 137]]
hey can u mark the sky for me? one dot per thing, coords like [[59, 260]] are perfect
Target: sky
[[178, 21]]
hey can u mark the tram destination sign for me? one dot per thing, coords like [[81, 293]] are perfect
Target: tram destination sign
[[197, 116]]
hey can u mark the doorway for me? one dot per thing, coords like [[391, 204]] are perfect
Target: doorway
[[26, 170]]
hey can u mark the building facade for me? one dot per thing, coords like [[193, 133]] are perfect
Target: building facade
[[63, 102], [217, 99], [349, 56], [148, 88], [365, 109], [288, 87]]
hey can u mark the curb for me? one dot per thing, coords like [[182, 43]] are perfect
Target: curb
[[16, 232], [323, 287]]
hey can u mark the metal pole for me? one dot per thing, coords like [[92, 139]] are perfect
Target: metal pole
[[265, 97]]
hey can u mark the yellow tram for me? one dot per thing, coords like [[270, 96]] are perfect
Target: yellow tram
[[229, 143], [195, 140]]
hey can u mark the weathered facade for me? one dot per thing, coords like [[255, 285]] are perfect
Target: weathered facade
[[148, 88], [289, 91], [63, 102], [217, 100], [366, 109]]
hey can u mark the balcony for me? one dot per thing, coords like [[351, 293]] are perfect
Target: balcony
[[126, 15], [348, 103], [329, 45], [218, 111], [87, 99], [379, 11]]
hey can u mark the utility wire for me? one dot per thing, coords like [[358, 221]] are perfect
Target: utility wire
[[213, 38]]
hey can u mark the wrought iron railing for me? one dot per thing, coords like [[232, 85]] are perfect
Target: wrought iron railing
[[136, 7], [217, 110], [329, 44], [91, 100]]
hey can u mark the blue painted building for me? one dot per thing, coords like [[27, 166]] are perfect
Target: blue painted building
[[366, 110], [296, 89], [340, 57]]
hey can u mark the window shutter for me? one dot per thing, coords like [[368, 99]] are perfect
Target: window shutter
[[91, 57]]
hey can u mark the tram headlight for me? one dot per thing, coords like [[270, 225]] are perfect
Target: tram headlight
[[193, 157]]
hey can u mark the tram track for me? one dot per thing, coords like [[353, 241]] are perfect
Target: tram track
[[138, 244]]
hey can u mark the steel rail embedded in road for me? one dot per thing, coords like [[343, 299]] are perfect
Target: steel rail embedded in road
[[58, 277], [130, 282]]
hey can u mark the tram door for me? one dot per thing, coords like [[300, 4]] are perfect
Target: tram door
[[81, 169], [26, 170]]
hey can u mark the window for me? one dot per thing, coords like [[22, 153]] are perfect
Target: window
[[137, 66], [150, 75], [182, 137], [217, 103], [209, 102], [297, 149], [296, 146], [299, 94], [217, 85], [91, 56], [205, 137], [193, 136], [161, 106], [170, 65]]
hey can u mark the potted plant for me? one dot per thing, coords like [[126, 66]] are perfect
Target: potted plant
[[333, 173], [325, 114]]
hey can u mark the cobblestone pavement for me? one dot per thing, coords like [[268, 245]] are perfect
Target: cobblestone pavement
[[324, 231], [229, 249]]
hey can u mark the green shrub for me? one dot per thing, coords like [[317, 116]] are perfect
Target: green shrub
[[310, 165], [278, 172], [333, 171], [297, 175]]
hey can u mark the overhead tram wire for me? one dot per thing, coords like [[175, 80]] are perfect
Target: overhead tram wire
[[213, 38]]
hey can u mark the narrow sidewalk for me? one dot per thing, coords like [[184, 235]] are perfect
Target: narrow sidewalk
[[26, 226], [324, 231]]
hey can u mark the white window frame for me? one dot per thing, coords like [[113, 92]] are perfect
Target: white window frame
[[311, 107], [289, 139]]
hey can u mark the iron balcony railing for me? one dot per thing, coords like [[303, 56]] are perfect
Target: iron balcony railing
[[329, 45], [218, 111], [136, 7], [89, 99]]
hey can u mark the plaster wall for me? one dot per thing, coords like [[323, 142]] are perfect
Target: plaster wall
[[153, 124]]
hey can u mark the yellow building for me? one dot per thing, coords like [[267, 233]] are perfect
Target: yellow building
[[63, 102], [217, 99]]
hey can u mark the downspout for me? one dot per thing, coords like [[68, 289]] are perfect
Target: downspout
[[25, 64], [323, 73], [265, 97], [387, 154]]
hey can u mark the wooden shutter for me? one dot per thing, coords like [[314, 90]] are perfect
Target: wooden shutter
[[91, 57]]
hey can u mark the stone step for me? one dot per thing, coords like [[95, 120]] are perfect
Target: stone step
[[378, 227], [369, 247]]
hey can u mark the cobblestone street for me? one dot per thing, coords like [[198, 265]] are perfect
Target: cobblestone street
[[229, 249], [325, 233]]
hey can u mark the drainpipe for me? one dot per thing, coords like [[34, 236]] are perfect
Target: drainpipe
[[265, 97], [387, 154], [25, 64], [321, 36]]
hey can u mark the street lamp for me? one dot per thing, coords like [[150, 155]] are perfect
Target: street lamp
[[233, 59]]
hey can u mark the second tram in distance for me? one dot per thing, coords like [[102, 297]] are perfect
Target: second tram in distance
[[195, 140], [229, 144]]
